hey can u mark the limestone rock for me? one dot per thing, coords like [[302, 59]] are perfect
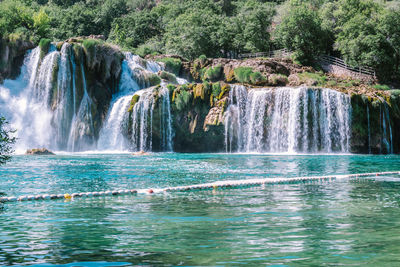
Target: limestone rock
[[39, 151]]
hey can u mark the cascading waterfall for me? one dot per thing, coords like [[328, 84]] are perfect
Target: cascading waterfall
[[142, 118], [386, 128], [23, 105], [290, 120], [166, 120], [234, 117], [115, 129], [55, 110], [369, 131]]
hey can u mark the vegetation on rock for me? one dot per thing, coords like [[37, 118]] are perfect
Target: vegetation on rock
[[6, 141]]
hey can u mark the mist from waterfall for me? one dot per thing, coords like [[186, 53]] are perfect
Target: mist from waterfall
[[289, 120]]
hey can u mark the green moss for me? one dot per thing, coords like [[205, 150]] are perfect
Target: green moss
[[381, 87], [182, 99], [242, 74], [171, 88], [278, 79], [134, 100], [318, 77], [257, 78], [152, 79], [331, 83], [213, 73], [202, 59], [44, 46], [168, 76], [216, 89], [173, 65]]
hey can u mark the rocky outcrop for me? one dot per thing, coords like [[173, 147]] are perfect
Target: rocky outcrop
[[12, 56], [39, 151]]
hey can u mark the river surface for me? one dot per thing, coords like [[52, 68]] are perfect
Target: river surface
[[343, 222]]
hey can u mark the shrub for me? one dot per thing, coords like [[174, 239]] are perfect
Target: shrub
[[213, 73], [44, 45], [216, 89], [278, 79], [168, 76], [381, 87], [152, 79], [182, 99], [172, 64], [257, 78], [144, 50], [171, 88], [242, 74]]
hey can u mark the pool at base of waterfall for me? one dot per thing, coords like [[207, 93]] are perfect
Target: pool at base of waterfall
[[342, 222]]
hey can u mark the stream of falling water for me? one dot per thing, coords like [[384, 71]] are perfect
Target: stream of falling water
[[288, 120]]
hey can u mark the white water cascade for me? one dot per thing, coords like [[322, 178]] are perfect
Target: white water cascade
[[115, 134], [47, 105], [288, 120]]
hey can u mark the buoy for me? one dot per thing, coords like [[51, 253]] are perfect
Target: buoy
[[150, 191], [67, 196]]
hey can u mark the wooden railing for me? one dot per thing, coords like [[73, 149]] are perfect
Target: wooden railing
[[271, 54], [340, 63], [323, 59]]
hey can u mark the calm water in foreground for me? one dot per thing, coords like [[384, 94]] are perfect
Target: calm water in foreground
[[346, 222]]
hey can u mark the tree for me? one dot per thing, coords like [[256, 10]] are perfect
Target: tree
[[6, 141], [193, 33], [301, 32], [252, 26], [389, 27]]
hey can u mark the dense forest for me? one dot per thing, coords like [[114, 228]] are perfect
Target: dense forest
[[363, 32]]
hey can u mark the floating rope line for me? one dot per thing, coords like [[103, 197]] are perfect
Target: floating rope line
[[206, 186]]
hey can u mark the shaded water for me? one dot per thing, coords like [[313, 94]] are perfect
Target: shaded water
[[341, 222]]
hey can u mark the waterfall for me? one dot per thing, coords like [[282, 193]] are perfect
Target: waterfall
[[289, 120], [386, 125], [234, 117], [25, 106], [115, 134], [166, 120], [369, 131]]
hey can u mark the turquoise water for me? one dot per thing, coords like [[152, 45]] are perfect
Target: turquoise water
[[347, 222]]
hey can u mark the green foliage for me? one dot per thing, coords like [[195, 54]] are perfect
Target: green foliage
[[16, 18], [41, 23], [257, 78], [6, 141], [172, 64], [301, 32], [216, 89], [213, 73], [182, 99], [381, 87], [168, 76], [134, 29], [134, 100], [313, 77], [44, 45], [171, 88], [242, 74], [152, 79]]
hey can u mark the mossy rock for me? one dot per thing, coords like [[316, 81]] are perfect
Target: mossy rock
[[44, 46], [134, 100], [173, 65], [168, 76], [212, 73], [242, 74], [151, 79], [278, 80]]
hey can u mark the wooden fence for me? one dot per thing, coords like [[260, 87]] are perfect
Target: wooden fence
[[325, 59]]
